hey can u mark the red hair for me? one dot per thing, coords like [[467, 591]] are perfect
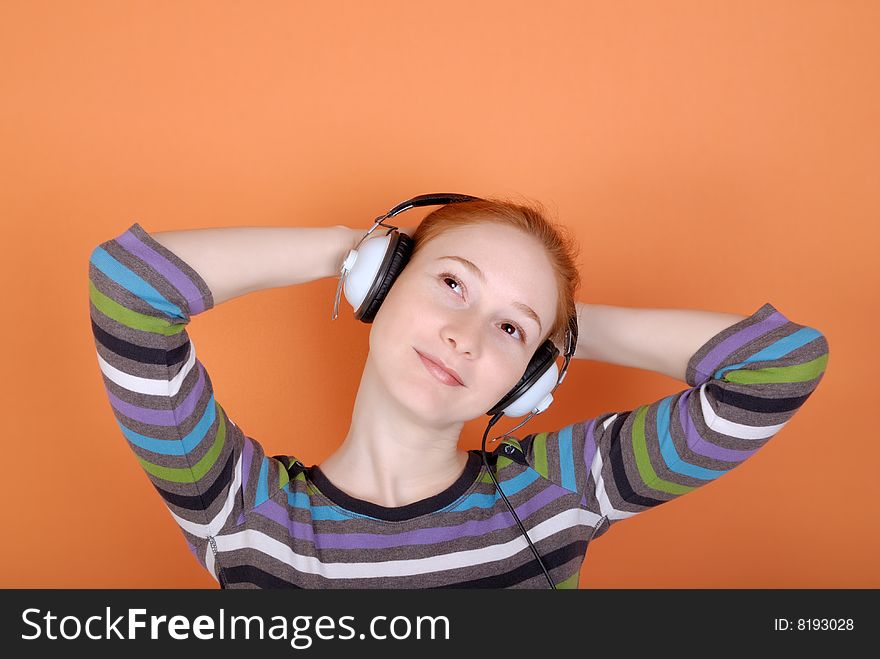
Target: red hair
[[530, 218]]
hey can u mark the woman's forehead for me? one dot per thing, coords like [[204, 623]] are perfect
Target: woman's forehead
[[477, 237]]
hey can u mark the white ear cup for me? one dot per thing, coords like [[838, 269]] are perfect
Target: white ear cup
[[536, 398], [364, 265]]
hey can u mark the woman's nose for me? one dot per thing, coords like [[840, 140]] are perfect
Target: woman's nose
[[463, 334]]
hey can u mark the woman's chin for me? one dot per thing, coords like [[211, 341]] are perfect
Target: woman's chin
[[426, 397], [425, 403]]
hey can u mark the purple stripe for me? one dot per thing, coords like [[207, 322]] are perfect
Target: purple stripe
[[171, 417], [196, 553], [734, 342], [273, 510], [184, 285], [696, 443], [503, 520]]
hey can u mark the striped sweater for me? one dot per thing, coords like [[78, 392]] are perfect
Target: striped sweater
[[258, 521]]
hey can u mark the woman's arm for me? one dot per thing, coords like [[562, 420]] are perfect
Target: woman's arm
[[143, 293], [661, 340], [234, 261], [746, 382]]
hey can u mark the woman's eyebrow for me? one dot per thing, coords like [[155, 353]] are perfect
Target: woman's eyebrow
[[527, 310]]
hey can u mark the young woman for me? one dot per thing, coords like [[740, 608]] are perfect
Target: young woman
[[399, 504]]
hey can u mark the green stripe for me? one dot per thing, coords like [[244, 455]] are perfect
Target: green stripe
[[199, 469], [798, 373], [129, 318], [646, 470], [571, 582], [283, 477], [486, 478], [539, 451]]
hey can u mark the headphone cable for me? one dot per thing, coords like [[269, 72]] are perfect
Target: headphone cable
[[522, 528]]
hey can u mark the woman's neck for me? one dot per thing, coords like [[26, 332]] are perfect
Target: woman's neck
[[389, 477], [391, 457]]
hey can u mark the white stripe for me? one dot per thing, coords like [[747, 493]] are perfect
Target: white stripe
[[605, 506], [731, 428], [213, 527], [261, 542], [608, 421], [148, 385], [209, 562]]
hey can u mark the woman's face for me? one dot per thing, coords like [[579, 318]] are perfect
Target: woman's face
[[476, 325]]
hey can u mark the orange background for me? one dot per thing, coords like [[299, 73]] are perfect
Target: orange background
[[708, 155]]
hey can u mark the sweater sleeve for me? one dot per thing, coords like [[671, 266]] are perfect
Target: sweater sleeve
[[746, 382], [207, 472]]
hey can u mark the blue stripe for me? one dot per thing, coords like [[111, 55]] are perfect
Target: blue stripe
[[302, 500], [175, 447], [132, 282], [298, 499], [566, 459], [263, 482], [510, 487], [333, 513], [777, 349], [667, 447]]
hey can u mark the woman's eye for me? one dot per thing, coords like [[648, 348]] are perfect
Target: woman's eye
[[447, 277], [521, 337], [452, 279]]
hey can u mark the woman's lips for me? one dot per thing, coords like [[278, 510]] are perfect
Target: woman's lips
[[438, 372]]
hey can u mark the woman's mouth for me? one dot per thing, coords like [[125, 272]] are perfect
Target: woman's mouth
[[438, 371]]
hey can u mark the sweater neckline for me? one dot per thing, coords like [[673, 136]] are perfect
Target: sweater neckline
[[431, 504]]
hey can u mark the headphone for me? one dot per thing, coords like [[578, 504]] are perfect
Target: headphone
[[367, 275]]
